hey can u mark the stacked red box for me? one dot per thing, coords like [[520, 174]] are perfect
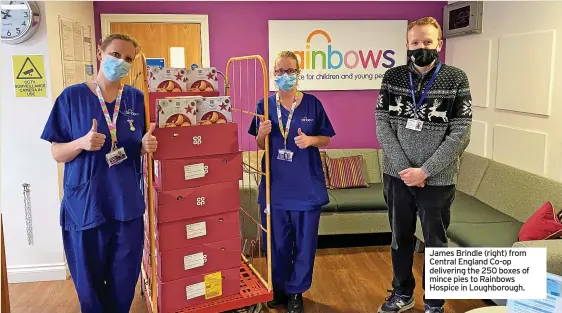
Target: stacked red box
[[196, 201]]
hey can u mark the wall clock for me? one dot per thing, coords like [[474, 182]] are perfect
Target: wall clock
[[20, 21]]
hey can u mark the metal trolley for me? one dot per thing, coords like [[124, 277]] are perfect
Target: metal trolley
[[249, 75]]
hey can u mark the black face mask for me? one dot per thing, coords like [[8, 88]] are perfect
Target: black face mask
[[423, 57]]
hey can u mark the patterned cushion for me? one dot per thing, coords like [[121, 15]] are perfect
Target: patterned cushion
[[323, 157], [346, 172]]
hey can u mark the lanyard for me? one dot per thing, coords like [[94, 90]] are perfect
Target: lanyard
[[427, 87], [111, 124], [285, 132]]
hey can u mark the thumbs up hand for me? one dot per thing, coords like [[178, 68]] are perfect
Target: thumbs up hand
[[92, 141], [302, 140], [149, 142]]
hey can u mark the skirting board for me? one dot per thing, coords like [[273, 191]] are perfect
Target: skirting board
[[37, 273]]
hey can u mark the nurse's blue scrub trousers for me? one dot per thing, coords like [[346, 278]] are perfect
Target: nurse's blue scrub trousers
[[294, 239], [105, 264]]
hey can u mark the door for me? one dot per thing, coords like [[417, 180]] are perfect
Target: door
[[156, 39], [4, 292]]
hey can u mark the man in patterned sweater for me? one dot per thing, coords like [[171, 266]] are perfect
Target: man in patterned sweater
[[423, 118]]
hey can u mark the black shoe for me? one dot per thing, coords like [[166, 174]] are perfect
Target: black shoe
[[396, 303], [295, 304], [279, 299]]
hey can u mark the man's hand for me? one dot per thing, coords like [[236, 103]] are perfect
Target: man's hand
[[92, 141], [414, 177], [303, 141], [149, 142]]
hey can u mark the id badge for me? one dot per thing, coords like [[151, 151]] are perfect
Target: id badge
[[289, 155], [414, 124], [115, 157], [285, 155]]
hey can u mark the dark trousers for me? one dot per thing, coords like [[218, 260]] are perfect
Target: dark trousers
[[433, 203], [105, 264], [294, 239]]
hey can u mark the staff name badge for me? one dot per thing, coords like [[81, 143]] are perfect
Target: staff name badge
[[285, 155], [116, 156], [414, 124]]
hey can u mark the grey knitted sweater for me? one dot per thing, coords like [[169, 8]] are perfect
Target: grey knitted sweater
[[446, 114]]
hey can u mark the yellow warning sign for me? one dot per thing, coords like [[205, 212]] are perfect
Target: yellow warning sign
[[29, 76]]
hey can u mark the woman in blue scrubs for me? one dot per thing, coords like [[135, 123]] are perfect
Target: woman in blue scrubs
[[297, 126], [97, 129]]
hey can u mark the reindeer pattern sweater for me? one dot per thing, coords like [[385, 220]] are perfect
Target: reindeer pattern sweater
[[446, 114]]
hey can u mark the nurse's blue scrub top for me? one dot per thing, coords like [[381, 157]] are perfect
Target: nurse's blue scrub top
[[298, 185], [93, 192]]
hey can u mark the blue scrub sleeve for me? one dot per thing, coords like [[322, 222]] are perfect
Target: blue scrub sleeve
[[255, 124], [58, 126], [324, 126]]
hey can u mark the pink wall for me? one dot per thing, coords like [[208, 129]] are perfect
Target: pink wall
[[240, 28]]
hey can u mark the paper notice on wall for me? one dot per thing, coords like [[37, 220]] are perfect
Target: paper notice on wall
[[78, 40], [87, 43], [196, 230], [69, 70], [195, 290], [89, 68], [67, 40], [80, 73]]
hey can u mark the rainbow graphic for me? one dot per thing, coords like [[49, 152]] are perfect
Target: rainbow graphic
[[332, 59]]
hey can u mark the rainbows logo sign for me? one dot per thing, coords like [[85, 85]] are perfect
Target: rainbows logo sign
[[330, 58]]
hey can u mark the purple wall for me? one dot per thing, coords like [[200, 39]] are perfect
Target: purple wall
[[351, 112]]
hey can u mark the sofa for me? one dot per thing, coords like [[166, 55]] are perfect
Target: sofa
[[492, 202]]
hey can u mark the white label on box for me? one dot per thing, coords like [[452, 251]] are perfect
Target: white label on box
[[194, 171], [155, 168], [195, 290], [196, 230], [193, 261]]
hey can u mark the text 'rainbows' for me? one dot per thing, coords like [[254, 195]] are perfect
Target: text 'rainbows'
[[350, 59]]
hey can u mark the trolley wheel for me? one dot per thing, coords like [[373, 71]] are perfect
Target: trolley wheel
[[256, 308]]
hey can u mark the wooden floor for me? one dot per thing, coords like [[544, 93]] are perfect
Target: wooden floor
[[346, 280]]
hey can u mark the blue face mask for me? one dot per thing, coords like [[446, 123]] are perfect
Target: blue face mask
[[286, 82], [115, 69]]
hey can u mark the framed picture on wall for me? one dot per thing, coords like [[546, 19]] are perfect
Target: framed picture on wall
[[462, 18]]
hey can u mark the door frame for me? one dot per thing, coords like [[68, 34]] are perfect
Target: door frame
[[203, 20]]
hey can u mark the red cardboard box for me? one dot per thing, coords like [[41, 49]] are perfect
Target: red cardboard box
[[154, 96], [191, 261], [194, 141], [189, 203], [198, 171], [197, 231], [188, 292]]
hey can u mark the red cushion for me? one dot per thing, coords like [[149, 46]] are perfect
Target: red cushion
[[543, 224]]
